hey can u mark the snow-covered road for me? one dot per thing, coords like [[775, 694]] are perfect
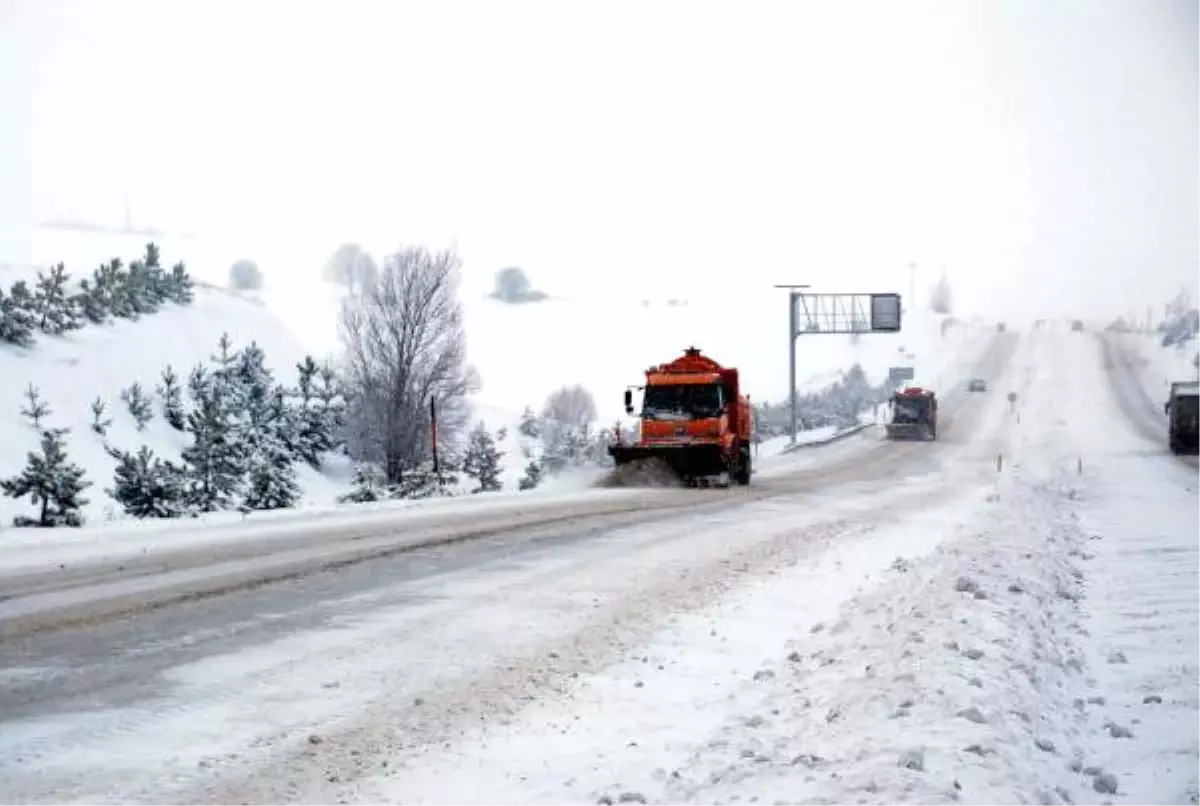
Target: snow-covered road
[[905, 622]]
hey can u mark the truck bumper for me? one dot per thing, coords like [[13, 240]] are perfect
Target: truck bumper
[[908, 431], [1184, 441], [688, 461]]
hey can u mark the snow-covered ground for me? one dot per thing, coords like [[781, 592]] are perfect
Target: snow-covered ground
[[1012, 632]]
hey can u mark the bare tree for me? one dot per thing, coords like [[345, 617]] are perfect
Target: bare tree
[[571, 406], [405, 345], [351, 266]]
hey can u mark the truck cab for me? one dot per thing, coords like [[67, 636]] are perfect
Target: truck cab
[[1183, 412]]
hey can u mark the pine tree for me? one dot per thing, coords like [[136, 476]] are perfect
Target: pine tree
[[333, 403], [482, 459], [271, 476], [366, 485], [100, 423], [529, 424], [157, 281], [198, 381], [18, 317], [223, 378], [111, 285], [139, 288], [532, 477], [213, 464], [91, 302], [422, 482], [37, 408], [56, 313], [139, 405], [313, 436], [16, 321], [172, 399], [146, 486], [52, 481], [179, 286]]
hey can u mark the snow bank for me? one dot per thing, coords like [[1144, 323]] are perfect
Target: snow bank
[[1158, 366]]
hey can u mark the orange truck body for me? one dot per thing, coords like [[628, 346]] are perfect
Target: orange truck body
[[695, 418]]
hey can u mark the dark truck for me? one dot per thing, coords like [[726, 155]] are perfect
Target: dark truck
[[914, 414], [1183, 411]]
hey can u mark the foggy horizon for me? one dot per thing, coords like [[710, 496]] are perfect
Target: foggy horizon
[[1044, 155]]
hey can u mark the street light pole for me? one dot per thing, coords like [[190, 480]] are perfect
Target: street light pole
[[793, 327]]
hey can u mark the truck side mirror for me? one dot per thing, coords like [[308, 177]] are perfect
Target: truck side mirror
[[1167, 407], [629, 401]]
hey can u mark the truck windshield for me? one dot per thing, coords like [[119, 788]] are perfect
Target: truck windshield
[[689, 401], [1188, 405], [909, 409]]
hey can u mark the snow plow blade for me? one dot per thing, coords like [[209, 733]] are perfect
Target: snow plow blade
[[902, 431], [687, 461]]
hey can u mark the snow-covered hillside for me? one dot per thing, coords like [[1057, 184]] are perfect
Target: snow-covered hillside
[[1158, 366], [523, 353], [72, 370]]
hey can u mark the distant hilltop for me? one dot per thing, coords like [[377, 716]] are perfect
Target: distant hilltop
[[87, 226]]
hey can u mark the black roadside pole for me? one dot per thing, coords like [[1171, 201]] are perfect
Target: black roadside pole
[[433, 431]]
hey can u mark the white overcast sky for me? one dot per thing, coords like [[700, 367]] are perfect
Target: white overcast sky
[[1044, 151]]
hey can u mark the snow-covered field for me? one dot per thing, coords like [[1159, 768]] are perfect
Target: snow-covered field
[[523, 354]]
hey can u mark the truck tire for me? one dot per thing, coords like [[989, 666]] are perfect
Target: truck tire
[[742, 475]]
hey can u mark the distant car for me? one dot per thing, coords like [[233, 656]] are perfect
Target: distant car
[[1077, 326], [977, 385]]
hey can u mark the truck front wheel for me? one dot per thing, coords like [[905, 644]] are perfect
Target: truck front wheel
[[742, 474]]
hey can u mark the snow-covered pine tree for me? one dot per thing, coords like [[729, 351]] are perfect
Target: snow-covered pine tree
[[55, 310], [529, 424], [139, 405], [501, 433], [212, 462], [146, 486], [137, 287], [16, 320], [100, 423], [172, 399], [179, 287], [532, 477], [91, 302], [21, 309], [111, 283], [223, 377], [333, 402], [198, 382], [36, 408], [52, 481], [366, 485], [271, 481], [313, 425], [157, 281], [482, 459]]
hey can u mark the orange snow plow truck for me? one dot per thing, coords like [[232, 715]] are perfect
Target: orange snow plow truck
[[694, 419]]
